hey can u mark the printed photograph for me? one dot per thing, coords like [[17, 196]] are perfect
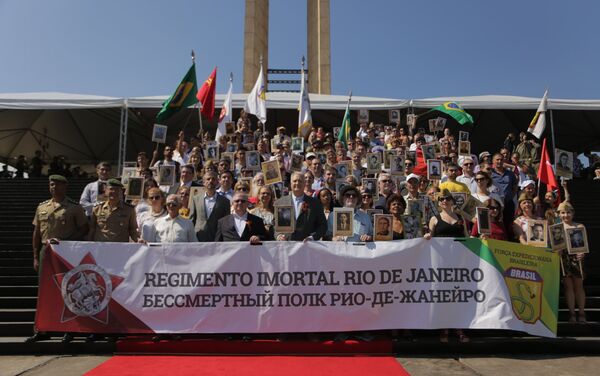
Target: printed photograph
[[387, 157], [564, 163], [577, 241], [298, 144], [415, 207], [412, 226], [343, 169], [370, 186], [394, 117], [463, 136], [397, 164], [382, 227], [483, 221], [434, 169], [536, 232], [229, 128], [460, 199], [212, 153], [271, 171], [343, 219], [128, 172], [557, 237], [166, 175], [297, 162], [284, 219], [363, 116], [159, 133], [464, 148], [372, 212], [253, 160], [428, 151], [336, 132], [135, 188], [373, 163]]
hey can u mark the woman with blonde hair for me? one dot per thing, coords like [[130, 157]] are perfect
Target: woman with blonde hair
[[524, 213], [156, 200], [264, 208], [573, 269]]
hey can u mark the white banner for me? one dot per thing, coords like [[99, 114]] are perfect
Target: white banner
[[275, 287]]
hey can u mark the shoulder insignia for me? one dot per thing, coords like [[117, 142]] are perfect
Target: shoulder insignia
[[99, 203], [44, 202]]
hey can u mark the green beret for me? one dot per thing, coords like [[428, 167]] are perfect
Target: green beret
[[114, 183], [57, 177]]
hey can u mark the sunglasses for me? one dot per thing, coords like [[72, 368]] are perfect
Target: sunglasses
[[480, 179], [243, 189], [493, 207], [172, 204], [445, 199], [385, 181], [467, 164], [154, 197], [239, 201]]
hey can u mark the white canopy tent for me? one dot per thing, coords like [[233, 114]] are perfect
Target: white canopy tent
[[88, 128]]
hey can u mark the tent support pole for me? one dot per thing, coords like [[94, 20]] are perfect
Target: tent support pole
[[122, 138], [553, 141]]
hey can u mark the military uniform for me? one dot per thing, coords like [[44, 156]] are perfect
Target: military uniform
[[59, 220], [116, 224]]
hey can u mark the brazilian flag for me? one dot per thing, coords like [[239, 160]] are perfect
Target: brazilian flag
[[344, 134], [184, 96], [456, 111]]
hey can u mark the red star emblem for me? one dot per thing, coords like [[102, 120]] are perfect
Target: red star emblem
[[86, 290]]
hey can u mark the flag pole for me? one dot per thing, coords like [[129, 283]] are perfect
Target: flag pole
[[201, 129]]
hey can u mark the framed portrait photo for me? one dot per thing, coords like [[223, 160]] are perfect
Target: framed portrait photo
[[363, 116], [159, 133], [195, 191], [297, 144], [336, 132], [284, 218], [469, 210], [343, 169], [129, 164], [128, 172], [249, 146], [440, 123], [397, 165], [297, 162], [387, 156], [370, 186], [135, 188], [382, 227], [434, 169], [371, 213], [229, 128], [484, 223], [271, 171], [415, 207], [428, 151], [537, 229], [460, 199], [211, 153], [464, 148], [343, 220], [431, 123], [253, 160], [166, 175], [412, 226], [557, 237], [463, 136], [564, 163], [394, 117], [228, 156], [411, 120], [577, 241], [231, 147], [373, 163]]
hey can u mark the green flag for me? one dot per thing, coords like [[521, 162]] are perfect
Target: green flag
[[184, 96], [344, 134], [457, 112]]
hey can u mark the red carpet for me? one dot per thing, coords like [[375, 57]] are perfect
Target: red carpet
[[263, 347], [238, 365]]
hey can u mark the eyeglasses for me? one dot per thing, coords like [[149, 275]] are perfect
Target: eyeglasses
[[445, 199], [480, 179], [493, 207], [467, 164], [385, 181], [172, 204], [154, 197], [240, 201], [184, 194], [408, 164], [242, 189]]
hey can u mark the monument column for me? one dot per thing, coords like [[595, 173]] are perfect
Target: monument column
[[319, 53], [256, 40]]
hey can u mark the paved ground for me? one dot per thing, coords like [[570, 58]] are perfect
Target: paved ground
[[416, 366]]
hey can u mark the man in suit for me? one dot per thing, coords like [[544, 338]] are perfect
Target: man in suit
[[241, 225], [206, 209], [310, 216], [186, 179]]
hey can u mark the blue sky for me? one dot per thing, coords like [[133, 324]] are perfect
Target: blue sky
[[396, 49]]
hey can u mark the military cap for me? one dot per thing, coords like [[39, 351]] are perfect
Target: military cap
[[114, 183], [57, 177]]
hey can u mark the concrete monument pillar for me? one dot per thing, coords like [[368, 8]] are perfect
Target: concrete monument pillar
[[256, 40], [319, 52]]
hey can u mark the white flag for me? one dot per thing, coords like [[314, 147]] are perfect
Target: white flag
[[256, 103], [225, 115], [304, 116], [538, 124]]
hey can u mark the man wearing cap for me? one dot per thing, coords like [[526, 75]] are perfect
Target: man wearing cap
[[113, 220], [90, 194], [310, 216], [467, 177], [412, 185], [173, 228], [58, 218], [241, 225], [362, 226], [452, 184]]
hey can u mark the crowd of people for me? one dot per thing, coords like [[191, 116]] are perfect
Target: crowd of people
[[319, 182]]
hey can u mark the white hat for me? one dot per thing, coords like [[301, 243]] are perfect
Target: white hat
[[464, 159], [526, 183], [310, 155], [410, 176]]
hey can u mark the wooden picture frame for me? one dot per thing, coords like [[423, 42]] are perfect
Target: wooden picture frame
[[343, 222], [464, 148], [211, 153], [577, 241], [564, 163], [557, 237]]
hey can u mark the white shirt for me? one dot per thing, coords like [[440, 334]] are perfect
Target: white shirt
[[469, 181], [227, 194], [89, 197], [173, 230], [240, 223], [297, 204], [209, 203]]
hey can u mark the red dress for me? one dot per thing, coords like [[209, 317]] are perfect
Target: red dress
[[498, 231]]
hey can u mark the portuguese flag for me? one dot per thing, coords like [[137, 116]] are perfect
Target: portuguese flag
[[184, 96], [456, 111]]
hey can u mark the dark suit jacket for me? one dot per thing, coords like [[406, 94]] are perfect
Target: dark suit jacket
[[311, 222], [206, 228], [226, 229]]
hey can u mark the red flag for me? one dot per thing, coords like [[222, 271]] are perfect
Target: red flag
[[546, 173], [206, 95]]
